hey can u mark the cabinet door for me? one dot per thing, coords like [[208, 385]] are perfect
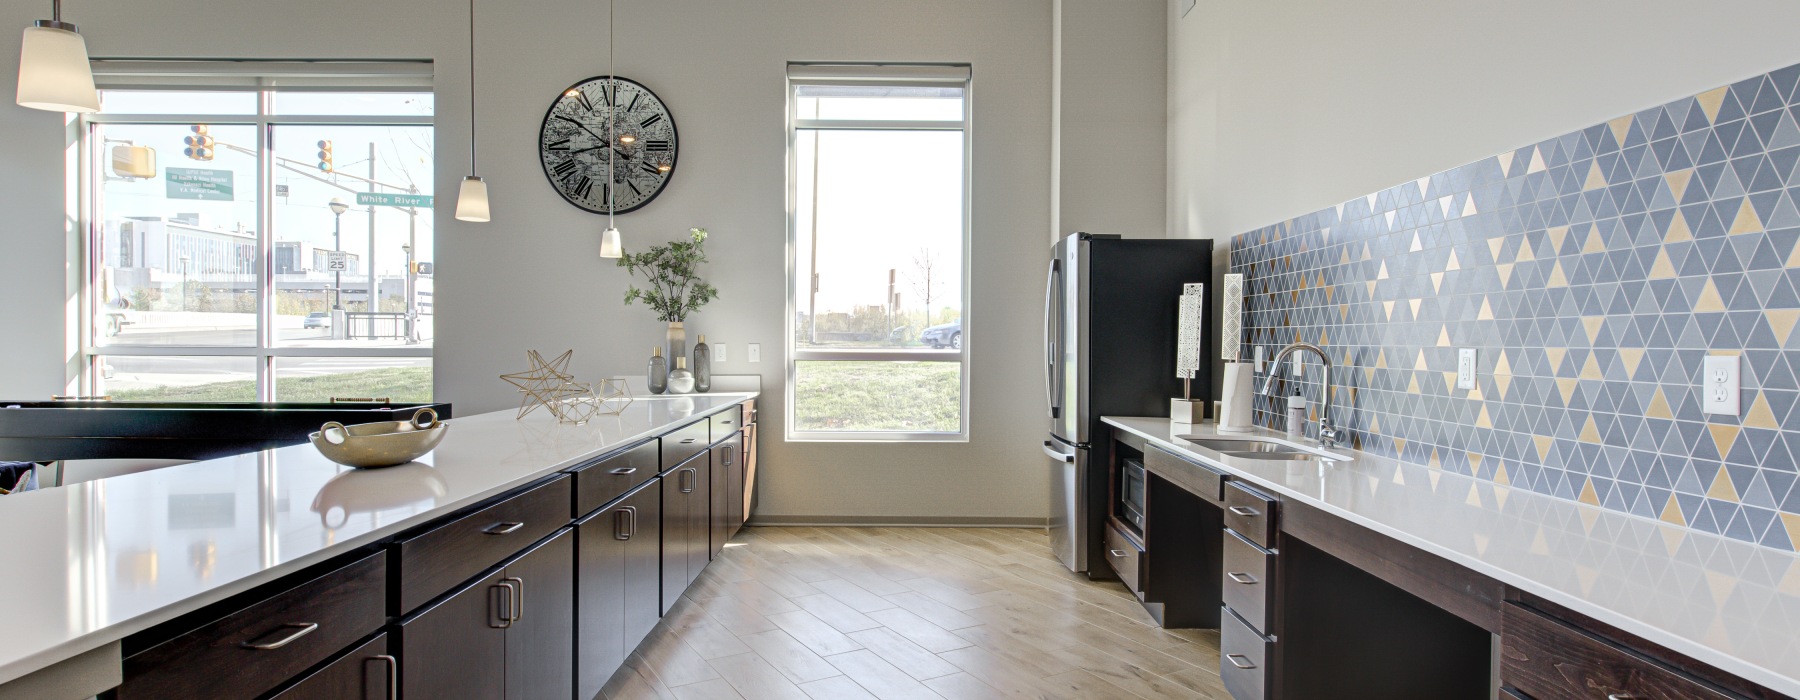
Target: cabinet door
[[678, 529], [457, 648], [643, 566], [699, 509], [367, 673], [540, 642], [718, 515], [734, 487], [600, 597], [749, 480]]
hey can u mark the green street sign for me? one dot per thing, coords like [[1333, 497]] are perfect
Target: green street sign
[[196, 183], [383, 199]]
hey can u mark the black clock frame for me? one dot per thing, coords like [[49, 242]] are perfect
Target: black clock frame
[[674, 158]]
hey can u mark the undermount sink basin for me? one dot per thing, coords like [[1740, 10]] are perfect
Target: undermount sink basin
[[1258, 448]]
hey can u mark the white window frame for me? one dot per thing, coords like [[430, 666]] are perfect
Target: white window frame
[[948, 75], [266, 350]]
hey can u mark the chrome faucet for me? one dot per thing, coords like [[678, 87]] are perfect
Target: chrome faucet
[[1328, 436]]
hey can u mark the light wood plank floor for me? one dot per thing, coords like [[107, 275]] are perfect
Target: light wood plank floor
[[837, 613]]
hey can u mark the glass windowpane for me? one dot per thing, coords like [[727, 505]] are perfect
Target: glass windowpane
[[369, 104], [177, 102], [319, 379], [913, 397], [176, 378]]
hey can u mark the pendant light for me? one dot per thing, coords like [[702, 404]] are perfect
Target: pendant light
[[610, 245], [54, 74], [472, 199]]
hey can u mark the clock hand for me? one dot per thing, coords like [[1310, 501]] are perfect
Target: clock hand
[[584, 127]]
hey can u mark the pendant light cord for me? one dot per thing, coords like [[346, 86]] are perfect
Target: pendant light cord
[[612, 83], [472, 170]]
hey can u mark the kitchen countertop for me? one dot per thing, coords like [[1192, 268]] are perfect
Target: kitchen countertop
[[1730, 604], [92, 563]]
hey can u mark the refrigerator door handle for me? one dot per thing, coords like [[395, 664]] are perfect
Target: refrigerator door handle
[[1051, 334], [1056, 454]]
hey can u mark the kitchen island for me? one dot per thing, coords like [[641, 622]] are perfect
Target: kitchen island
[[99, 571]]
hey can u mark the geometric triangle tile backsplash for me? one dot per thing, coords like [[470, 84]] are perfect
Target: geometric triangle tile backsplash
[[1593, 272]]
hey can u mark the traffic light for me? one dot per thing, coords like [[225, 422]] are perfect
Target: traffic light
[[325, 164], [199, 145]]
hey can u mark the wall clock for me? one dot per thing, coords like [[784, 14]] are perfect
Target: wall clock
[[572, 144]]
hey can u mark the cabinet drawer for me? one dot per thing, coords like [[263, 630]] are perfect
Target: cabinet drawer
[[1243, 658], [1250, 513], [1125, 558], [1199, 479], [600, 482], [1247, 583], [255, 649], [368, 672], [1547, 659], [726, 423], [685, 442], [439, 559]]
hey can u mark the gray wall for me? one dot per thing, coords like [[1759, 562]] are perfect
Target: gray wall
[[1109, 118], [720, 67], [1281, 108]]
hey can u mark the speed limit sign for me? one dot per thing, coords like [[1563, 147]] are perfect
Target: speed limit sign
[[337, 261]]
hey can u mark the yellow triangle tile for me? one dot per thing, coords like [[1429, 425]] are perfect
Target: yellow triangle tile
[[1501, 382], [1556, 357], [1566, 387], [1709, 299], [1781, 321], [1678, 229], [1662, 269], [1595, 180], [1419, 364], [1494, 246], [1525, 254], [1557, 278], [1324, 339], [1593, 324], [1487, 311], [1449, 382], [1388, 310], [1414, 303], [1537, 162], [1424, 184], [1474, 461], [1399, 445], [1345, 258], [1382, 273], [1671, 512], [1502, 366], [1412, 387], [1500, 477], [1792, 523], [1722, 488], [1620, 127], [1444, 337], [1591, 368], [1381, 358], [1435, 478], [1417, 245], [1678, 181], [1760, 416], [1505, 162], [1475, 393], [1631, 357], [1543, 445], [1437, 282], [1590, 433], [1474, 497], [1469, 208], [1595, 243], [1434, 462], [1452, 263], [1399, 474], [1659, 406], [1747, 221], [1724, 436], [1710, 102], [1557, 234], [1483, 420], [1368, 375], [1505, 274]]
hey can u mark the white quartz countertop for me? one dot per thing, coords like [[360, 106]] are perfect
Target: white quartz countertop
[[1730, 604], [89, 564]]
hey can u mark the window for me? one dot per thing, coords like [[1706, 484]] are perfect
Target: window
[[249, 243], [879, 220]]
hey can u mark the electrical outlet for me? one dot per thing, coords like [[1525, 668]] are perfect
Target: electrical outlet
[[755, 352], [1719, 385], [719, 352], [1465, 368]]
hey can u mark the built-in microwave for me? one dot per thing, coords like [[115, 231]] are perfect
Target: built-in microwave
[[1130, 489]]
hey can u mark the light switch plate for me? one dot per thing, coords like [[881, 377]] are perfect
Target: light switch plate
[[719, 352], [1465, 368], [1259, 359], [755, 352], [1719, 385]]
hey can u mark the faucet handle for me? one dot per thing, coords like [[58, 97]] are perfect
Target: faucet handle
[[1328, 436]]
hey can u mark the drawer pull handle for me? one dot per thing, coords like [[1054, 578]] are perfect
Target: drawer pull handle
[[682, 478], [503, 528], [1240, 661], [688, 441], [1242, 577], [1118, 553], [1619, 696], [504, 617], [393, 665], [625, 523], [622, 471], [301, 629], [1245, 511]]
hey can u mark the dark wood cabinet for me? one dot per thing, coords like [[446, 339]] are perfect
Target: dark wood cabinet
[[1548, 659], [509, 634], [368, 672], [734, 487], [434, 560], [618, 584], [727, 475], [686, 498], [599, 482]]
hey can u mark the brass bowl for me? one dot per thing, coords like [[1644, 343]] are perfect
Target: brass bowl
[[383, 444]]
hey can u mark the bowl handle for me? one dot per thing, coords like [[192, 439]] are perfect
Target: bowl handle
[[421, 421], [334, 428]]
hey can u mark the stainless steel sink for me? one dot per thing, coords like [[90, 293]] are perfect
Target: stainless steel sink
[[1257, 448]]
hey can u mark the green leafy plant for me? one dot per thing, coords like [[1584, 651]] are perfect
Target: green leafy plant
[[672, 273]]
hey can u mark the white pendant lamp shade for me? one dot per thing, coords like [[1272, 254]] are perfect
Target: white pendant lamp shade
[[472, 200], [53, 69], [610, 247]]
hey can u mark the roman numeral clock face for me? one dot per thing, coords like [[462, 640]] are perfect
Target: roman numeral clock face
[[599, 117]]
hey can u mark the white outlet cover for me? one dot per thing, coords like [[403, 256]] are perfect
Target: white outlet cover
[[1260, 356], [1719, 385], [1465, 368], [720, 353], [755, 352]]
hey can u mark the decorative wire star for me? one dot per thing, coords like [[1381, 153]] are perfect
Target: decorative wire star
[[542, 384]]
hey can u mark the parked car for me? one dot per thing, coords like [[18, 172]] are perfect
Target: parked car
[[317, 319], [938, 336]]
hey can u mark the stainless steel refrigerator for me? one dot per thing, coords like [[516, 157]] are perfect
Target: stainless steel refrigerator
[[1110, 307]]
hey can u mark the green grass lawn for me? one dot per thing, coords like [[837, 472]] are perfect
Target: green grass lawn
[[401, 384], [851, 396]]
